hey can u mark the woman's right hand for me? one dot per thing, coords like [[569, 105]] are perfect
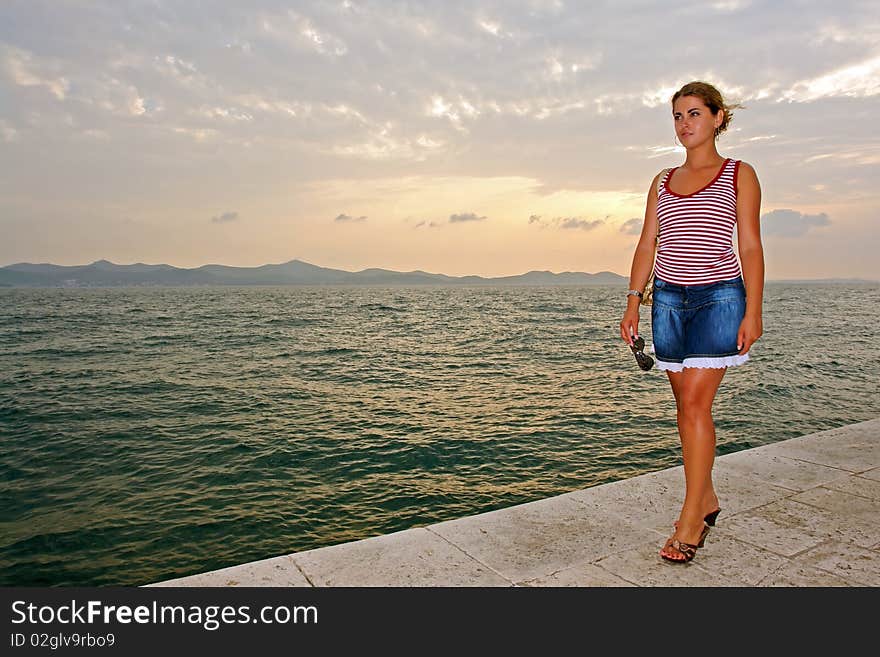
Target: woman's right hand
[[629, 325]]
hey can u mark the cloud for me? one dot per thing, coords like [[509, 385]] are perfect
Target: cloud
[[565, 222], [199, 134], [790, 223], [7, 131], [240, 46], [632, 227], [859, 80], [466, 216], [184, 72], [492, 28], [583, 224], [294, 30], [223, 113], [855, 156], [454, 110], [23, 68], [730, 5], [118, 97], [381, 146], [571, 99], [344, 218], [428, 224], [225, 218]]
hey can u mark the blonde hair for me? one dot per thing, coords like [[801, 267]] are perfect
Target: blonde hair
[[712, 99]]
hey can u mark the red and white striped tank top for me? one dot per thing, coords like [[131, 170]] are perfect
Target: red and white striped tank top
[[696, 231]]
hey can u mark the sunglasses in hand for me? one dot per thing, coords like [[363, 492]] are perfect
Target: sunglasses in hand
[[638, 348]]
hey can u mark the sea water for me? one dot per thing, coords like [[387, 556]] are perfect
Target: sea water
[[152, 433]]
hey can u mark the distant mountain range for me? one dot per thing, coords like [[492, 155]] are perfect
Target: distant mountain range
[[296, 272], [103, 273]]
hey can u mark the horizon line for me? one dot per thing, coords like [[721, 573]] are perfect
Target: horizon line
[[543, 271]]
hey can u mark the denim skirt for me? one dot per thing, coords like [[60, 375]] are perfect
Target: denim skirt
[[697, 325]]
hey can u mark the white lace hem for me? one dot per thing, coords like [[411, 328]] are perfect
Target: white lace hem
[[713, 362]]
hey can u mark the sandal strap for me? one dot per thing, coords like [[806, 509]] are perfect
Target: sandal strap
[[687, 549]]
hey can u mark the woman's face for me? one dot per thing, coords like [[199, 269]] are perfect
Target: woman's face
[[694, 122]]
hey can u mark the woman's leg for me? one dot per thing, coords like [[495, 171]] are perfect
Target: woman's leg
[[694, 390]]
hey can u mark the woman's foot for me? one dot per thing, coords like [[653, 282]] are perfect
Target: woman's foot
[[690, 530], [682, 545]]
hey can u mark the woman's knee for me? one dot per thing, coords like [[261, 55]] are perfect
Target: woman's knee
[[694, 402], [696, 392]]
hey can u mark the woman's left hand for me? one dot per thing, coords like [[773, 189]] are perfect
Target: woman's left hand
[[750, 329]]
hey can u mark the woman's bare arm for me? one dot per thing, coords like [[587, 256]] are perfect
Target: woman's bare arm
[[642, 264], [751, 253]]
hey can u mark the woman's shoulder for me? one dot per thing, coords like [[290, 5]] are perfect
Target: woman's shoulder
[[744, 174], [742, 165], [655, 183]]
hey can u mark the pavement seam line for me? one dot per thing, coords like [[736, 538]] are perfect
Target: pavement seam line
[[303, 572], [835, 490], [833, 467], [781, 566], [768, 549], [835, 573], [636, 584], [465, 553]]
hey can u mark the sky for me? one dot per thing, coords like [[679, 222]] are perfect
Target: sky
[[486, 138]]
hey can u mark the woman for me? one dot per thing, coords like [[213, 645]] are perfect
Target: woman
[[706, 308]]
